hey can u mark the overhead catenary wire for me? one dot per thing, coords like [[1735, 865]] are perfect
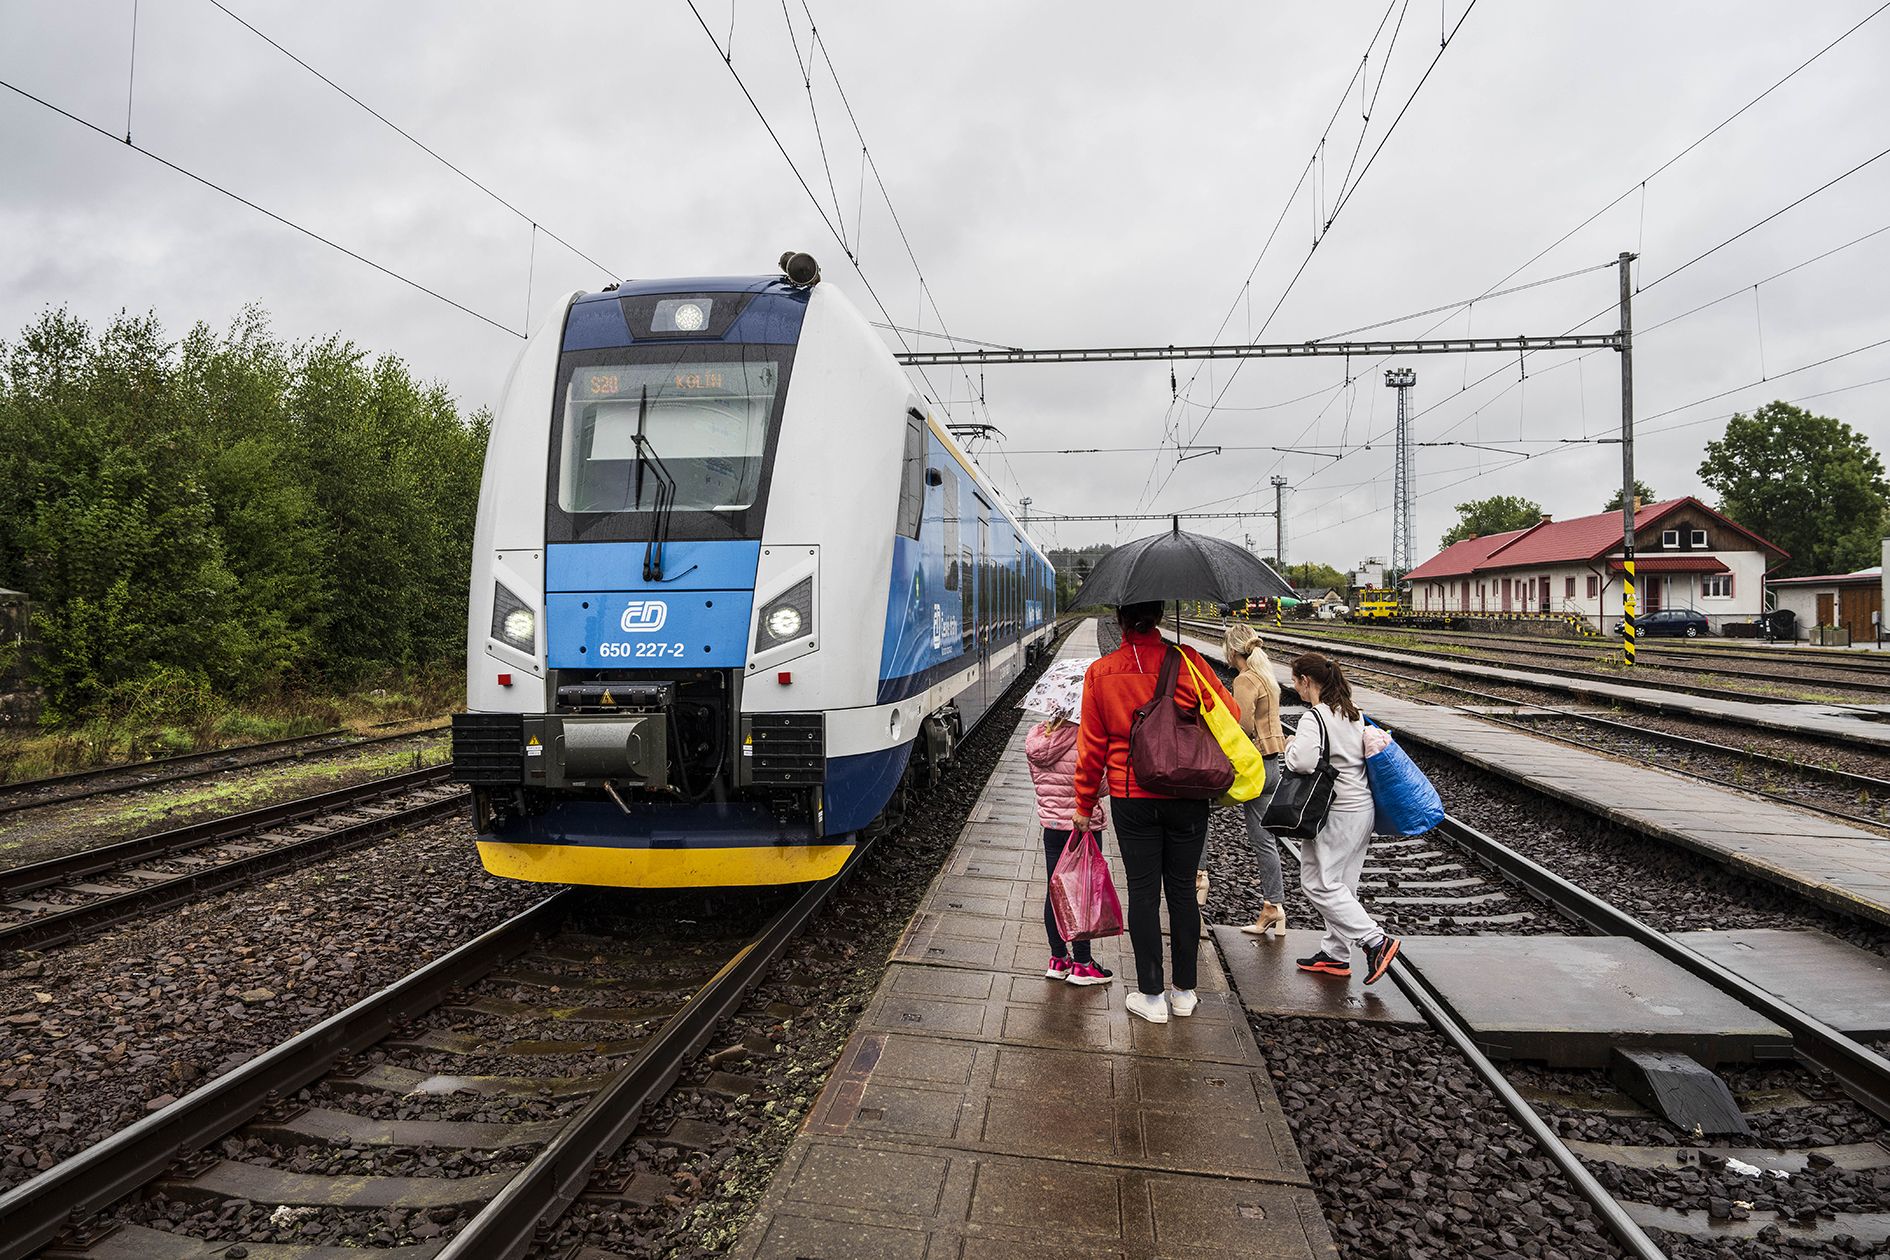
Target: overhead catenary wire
[[285, 221], [1345, 196], [409, 137], [1630, 190]]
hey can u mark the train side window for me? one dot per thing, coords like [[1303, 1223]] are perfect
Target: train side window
[[948, 514], [912, 484]]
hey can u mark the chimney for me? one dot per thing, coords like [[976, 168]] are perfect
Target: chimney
[[1637, 505], [1546, 518]]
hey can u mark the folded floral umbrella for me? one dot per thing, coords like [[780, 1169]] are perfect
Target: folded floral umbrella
[[1059, 692]]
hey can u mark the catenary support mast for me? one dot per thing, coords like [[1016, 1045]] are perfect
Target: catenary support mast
[[1627, 458]]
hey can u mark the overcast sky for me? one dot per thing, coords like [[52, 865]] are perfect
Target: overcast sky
[[1103, 174]]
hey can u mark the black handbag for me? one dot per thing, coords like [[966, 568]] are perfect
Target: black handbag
[[1301, 802]]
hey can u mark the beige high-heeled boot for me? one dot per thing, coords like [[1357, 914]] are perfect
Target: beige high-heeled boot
[[1272, 921]]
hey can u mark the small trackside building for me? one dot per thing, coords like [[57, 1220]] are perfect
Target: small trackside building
[[1846, 601], [1686, 555]]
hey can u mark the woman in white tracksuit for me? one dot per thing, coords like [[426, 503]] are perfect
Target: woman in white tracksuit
[[1330, 864]]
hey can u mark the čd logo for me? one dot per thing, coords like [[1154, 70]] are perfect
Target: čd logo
[[644, 616]]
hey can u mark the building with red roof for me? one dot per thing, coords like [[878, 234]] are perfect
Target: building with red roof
[[1686, 555]]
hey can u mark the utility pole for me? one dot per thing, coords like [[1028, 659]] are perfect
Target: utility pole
[[1402, 506], [1279, 520], [1025, 504], [1627, 458]]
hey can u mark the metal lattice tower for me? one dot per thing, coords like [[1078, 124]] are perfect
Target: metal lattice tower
[[1403, 522]]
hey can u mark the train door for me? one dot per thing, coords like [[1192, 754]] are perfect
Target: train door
[[987, 606]]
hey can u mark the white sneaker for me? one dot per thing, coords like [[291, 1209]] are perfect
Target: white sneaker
[[1182, 1002], [1153, 1008]]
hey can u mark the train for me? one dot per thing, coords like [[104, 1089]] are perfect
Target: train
[[735, 593]]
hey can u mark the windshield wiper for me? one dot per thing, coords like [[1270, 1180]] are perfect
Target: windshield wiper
[[665, 494]]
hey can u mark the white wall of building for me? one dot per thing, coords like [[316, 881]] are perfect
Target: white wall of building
[[1597, 591]]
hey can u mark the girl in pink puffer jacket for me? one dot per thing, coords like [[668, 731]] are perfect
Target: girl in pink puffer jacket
[[1051, 750]]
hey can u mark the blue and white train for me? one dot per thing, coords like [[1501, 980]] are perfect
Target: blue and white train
[[734, 590]]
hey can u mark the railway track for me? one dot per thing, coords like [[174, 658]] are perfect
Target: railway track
[[79, 785], [1549, 682], [1875, 682], [646, 1019], [67, 898], [1858, 787], [1403, 876], [1877, 663]]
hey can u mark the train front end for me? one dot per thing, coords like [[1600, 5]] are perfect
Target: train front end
[[652, 666]]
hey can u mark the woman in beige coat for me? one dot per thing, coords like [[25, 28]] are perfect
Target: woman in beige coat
[[1257, 692]]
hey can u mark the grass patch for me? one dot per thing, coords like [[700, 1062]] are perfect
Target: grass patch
[[33, 754]]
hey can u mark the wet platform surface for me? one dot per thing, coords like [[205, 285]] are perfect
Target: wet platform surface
[[980, 1111], [1564, 1001], [1830, 980], [1568, 1001], [1818, 857]]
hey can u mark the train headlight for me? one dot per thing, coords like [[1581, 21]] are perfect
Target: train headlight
[[784, 622], [787, 616], [689, 318], [513, 621]]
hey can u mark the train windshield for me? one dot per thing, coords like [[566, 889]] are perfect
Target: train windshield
[[630, 428]]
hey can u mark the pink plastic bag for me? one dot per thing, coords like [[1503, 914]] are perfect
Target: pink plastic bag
[[1082, 896]]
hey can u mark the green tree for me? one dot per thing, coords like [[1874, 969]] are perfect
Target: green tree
[[1313, 576], [1810, 483], [1492, 516], [201, 521], [1642, 491]]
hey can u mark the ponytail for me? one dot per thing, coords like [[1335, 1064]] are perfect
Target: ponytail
[[1140, 618], [1334, 692]]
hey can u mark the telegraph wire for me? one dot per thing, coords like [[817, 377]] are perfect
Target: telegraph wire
[[408, 136], [211, 184]]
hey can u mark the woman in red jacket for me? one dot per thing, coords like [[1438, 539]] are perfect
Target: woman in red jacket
[[1160, 836]]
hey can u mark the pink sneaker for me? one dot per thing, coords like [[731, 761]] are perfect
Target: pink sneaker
[[1089, 973], [1059, 969]]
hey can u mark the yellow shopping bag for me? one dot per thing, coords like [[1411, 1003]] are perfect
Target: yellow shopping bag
[[1250, 768]]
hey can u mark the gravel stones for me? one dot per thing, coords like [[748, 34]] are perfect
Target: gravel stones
[[150, 1012]]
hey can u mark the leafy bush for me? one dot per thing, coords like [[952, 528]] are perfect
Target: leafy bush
[[226, 518]]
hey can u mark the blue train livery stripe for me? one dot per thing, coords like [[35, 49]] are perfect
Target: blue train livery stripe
[[859, 786], [640, 630], [618, 566]]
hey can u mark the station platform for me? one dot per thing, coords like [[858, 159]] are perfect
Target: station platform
[[1821, 858], [1864, 725], [980, 1111]]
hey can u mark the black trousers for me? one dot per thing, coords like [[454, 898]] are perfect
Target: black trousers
[[1053, 842], [1161, 840]]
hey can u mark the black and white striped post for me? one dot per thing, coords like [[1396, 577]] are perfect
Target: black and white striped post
[[1626, 348]]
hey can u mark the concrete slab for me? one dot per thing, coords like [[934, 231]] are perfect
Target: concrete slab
[[1828, 979], [1568, 1001], [1264, 975]]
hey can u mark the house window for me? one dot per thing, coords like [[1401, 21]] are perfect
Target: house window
[[1670, 538], [1570, 591], [1716, 586], [1699, 538], [1594, 584]]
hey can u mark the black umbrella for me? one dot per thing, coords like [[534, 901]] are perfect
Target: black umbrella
[[1178, 566]]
